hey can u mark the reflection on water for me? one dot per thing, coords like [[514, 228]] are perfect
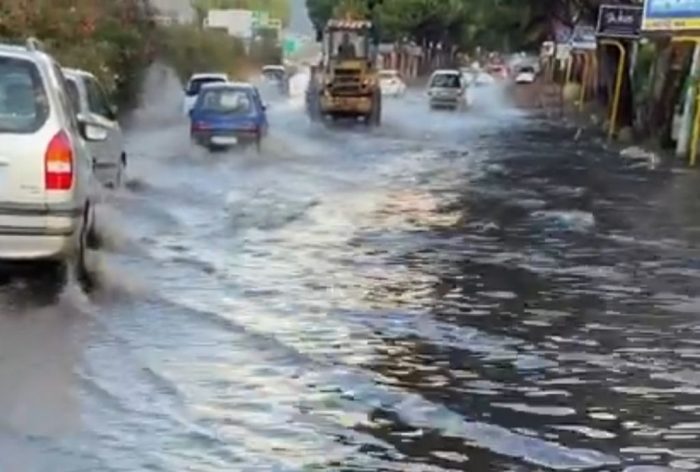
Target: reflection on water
[[453, 292]]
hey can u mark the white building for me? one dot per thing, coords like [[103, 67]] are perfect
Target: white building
[[174, 11]]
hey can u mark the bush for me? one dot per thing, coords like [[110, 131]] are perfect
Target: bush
[[109, 38], [189, 49]]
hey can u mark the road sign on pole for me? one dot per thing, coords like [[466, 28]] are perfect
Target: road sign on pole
[[290, 46], [619, 21]]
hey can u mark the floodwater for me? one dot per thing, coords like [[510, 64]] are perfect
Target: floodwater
[[448, 292]]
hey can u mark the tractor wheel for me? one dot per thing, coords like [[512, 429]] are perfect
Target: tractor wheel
[[313, 102], [375, 117]]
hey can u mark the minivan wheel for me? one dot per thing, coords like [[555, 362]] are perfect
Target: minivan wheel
[[82, 276], [68, 271], [121, 168], [91, 239], [88, 238]]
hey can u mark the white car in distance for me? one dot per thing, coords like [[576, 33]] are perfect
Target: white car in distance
[[195, 84], [90, 100], [447, 89], [526, 75], [391, 84]]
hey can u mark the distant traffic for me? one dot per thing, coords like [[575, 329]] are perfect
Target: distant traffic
[[62, 139]]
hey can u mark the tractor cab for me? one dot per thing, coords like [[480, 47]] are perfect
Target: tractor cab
[[345, 83], [348, 41], [349, 56]]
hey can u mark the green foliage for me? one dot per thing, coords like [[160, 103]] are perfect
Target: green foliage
[[459, 22], [190, 49], [492, 24], [646, 57], [320, 11], [351, 8], [110, 39]]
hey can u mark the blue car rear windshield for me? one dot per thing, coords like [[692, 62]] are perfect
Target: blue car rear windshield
[[24, 105], [226, 100]]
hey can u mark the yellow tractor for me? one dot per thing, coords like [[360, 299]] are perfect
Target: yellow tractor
[[345, 83]]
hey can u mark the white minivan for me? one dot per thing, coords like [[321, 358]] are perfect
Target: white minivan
[[90, 100], [46, 178], [447, 89]]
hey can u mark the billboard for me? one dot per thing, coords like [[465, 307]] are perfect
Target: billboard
[[619, 21], [238, 23], [671, 16]]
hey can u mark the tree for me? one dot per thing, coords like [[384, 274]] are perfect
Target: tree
[[454, 22]]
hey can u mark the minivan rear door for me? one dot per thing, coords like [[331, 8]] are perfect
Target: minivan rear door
[[25, 132]]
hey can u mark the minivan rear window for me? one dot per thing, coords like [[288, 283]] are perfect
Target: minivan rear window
[[195, 85], [24, 105]]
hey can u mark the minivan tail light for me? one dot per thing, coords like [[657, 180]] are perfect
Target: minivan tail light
[[58, 163]]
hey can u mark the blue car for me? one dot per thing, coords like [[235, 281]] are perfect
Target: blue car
[[227, 115]]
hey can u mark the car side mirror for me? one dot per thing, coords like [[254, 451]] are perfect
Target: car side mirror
[[91, 131]]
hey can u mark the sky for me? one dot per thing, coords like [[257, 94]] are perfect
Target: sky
[[300, 19]]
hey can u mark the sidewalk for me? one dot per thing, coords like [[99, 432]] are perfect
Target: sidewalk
[[538, 95]]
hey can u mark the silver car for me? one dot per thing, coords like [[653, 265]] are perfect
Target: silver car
[[447, 89], [90, 100], [46, 179]]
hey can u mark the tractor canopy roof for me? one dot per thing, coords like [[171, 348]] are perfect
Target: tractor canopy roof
[[348, 24]]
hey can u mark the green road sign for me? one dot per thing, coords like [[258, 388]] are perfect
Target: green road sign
[[290, 46]]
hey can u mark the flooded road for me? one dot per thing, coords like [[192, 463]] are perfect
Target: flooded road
[[447, 292]]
